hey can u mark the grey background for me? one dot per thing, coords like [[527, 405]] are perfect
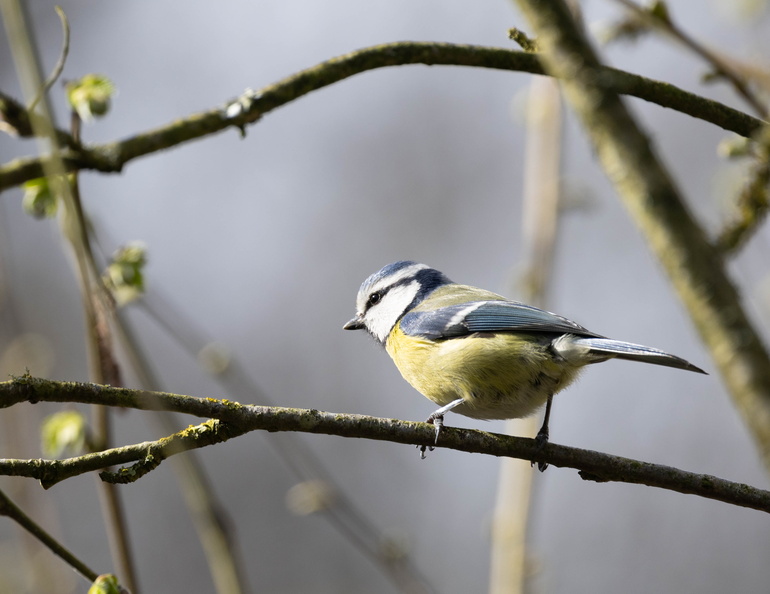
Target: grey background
[[263, 242]]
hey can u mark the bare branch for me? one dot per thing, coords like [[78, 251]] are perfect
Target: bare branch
[[57, 69], [663, 22], [750, 210], [17, 121], [752, 203], [252, 105], [233, 419], [693, 264], [9, 509]]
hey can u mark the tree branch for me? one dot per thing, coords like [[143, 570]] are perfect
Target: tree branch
[[753, 201], [750, 210], [59, 67], [693, 264], [721, 66], [231, 419], [9, 509], [252, 105]]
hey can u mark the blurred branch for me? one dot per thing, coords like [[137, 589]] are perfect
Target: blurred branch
[[752, 203], [693, 264], [99, 309], [660, 19], [57, 69], [17, 121], [252, 105], [299, 458], [95, 300], [210, 517], [229, 419], [750, 210], [539, 232], [9, 509]]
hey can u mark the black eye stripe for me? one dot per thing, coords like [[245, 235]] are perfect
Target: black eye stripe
[[376, 296]]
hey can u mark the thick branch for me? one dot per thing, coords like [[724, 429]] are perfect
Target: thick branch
[[252, 105], [234, 419], [753, 202], [693, 264], [750, 210]]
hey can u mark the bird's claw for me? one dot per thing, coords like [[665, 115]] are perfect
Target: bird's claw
[[541, 439], [438, 423]]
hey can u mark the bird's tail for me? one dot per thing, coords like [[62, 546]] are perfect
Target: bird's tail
[[633, 352]]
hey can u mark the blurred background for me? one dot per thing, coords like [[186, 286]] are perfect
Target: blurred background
[[260, 243]]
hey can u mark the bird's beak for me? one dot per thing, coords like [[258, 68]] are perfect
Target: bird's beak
[[354, 324]]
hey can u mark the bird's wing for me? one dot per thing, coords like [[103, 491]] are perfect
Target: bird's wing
[[486, 316]]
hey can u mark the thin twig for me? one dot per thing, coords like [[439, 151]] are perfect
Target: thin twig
[[104, 368], [252, 105], [9, 509], [59, 67], [720, 66], [301, 460], [29, 72], [209, 516], [539, 225], [230, 419]]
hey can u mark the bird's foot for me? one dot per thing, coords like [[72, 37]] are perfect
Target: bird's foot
[[438, 423], [541, 439]]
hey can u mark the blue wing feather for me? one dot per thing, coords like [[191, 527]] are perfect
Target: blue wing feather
[[486, 316]]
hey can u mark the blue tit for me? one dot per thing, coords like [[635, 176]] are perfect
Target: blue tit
[[477, 353]]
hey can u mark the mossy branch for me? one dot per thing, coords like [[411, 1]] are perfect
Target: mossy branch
[[229, 419], [750, 210], [252, 105], [753, 201]]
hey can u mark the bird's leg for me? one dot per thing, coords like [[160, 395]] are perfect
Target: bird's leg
[[437, 418], [542, 436]]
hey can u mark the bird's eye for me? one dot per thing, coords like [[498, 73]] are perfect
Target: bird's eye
[[374, 298]]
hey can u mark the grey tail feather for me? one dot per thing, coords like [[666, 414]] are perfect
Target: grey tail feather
[[636, 352]]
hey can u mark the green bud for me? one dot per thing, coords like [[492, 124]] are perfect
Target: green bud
[[310, 497], [90, 96], [215, 358], [39, 201], [525, 42], [734, 147], [105, 584], [124, 275], [63, 431]]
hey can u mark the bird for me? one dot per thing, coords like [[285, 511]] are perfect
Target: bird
[[476, 353]]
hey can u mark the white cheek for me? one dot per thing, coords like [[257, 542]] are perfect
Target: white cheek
[[383, 316]]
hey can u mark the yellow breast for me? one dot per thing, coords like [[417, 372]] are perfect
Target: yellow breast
[[499, 375]]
